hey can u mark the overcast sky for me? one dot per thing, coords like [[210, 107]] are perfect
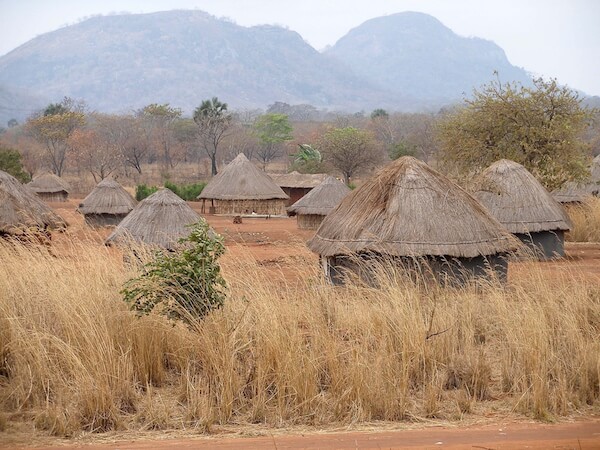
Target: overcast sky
[[553, 38]]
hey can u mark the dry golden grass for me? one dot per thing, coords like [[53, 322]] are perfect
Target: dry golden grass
[[73, 358], [586, 221]]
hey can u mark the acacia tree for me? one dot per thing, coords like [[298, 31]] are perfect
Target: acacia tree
[[272, 130], [539, 127], [53, 127], [213, 121], [349, 150]]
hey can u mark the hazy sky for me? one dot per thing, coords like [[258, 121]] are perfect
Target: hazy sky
[[553, 38]]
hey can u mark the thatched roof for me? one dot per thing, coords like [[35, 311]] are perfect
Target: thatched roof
[[242, 180], [49, 183], [108, 197], [573, 191], [409, 209], [21, 209], [322, 199], [517, 200], [298, 180], [161, 219]]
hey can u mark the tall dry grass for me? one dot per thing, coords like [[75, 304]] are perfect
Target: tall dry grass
[[586, 221], [72, 357]]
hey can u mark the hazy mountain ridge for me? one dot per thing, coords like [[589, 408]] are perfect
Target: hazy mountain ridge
[[119, 63]]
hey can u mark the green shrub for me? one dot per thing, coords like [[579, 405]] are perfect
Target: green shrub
[[142, 191], [187, 192], [185, 285], [10, 162]]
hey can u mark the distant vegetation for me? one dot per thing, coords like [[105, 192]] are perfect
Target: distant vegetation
[[187, 192], [10, 162]]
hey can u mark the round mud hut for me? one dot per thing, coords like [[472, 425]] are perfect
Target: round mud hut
[[241, 188], [296, 185], [525, 208], [417, 220], [107, 204], [314, 206], [22, 212], [159, 220], [50, 188]]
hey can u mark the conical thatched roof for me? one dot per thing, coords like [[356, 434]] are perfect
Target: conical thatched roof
[[242, 180], [108, 197], [322, 199], [517, 200], [48, 182], [21, 209], [409, 209], [299, 180], [160, 220]]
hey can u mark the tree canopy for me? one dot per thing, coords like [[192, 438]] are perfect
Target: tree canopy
[[213, 121], [272, 130], [540, 127], [10, 162]]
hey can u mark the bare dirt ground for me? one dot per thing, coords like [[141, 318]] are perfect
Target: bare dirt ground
[[277, 244]]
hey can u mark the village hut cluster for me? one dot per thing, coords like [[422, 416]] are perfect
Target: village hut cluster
[[296, 185]]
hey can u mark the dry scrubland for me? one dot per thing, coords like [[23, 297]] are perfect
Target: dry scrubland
[[586, 221], [73, 358]]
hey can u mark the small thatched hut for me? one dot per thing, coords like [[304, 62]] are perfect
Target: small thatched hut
[[414, 217], [159, 220], [296, 185], [577, 192], [242, 188], [520, 203], [314, 206], [50, 188], [107, 204], [21, 211]]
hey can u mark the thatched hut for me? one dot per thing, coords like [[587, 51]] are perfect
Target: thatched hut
[[416, 218], [50, 188], [525, 208], [22, 212], [296, 185], [314, 206], [107, 204], [242, 188], [159, 220], [577, 192]]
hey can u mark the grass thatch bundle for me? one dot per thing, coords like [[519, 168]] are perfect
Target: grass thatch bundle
[[242, 180], [108, 197], [409, 209], [160, 220], [21, 210], [322, 199], [518, 201]]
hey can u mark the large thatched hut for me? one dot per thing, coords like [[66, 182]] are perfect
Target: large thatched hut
[[50, 188], [296, 185], [159, 220], [525, 208], [416, 218], [107, 204], [22, 212], [242, 188], [314, 206], [576, 192]]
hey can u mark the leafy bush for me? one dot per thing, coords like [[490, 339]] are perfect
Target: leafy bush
[[187, 192], [10, 162], [142, 191], [185, 285]]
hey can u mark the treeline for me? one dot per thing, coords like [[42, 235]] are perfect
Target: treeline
[[545, 127]]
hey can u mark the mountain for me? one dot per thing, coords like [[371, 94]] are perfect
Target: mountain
[[18, 104], [123, 62], [414, 53]]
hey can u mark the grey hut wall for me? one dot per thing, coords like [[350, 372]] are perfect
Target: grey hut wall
[[103, 220], [545, 244], [60, 196], [447, 271]]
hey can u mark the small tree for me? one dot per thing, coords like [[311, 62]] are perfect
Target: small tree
[[184, 285], [10, 162], [272, 130], [539, 127], [349, 150], [213, 121]]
